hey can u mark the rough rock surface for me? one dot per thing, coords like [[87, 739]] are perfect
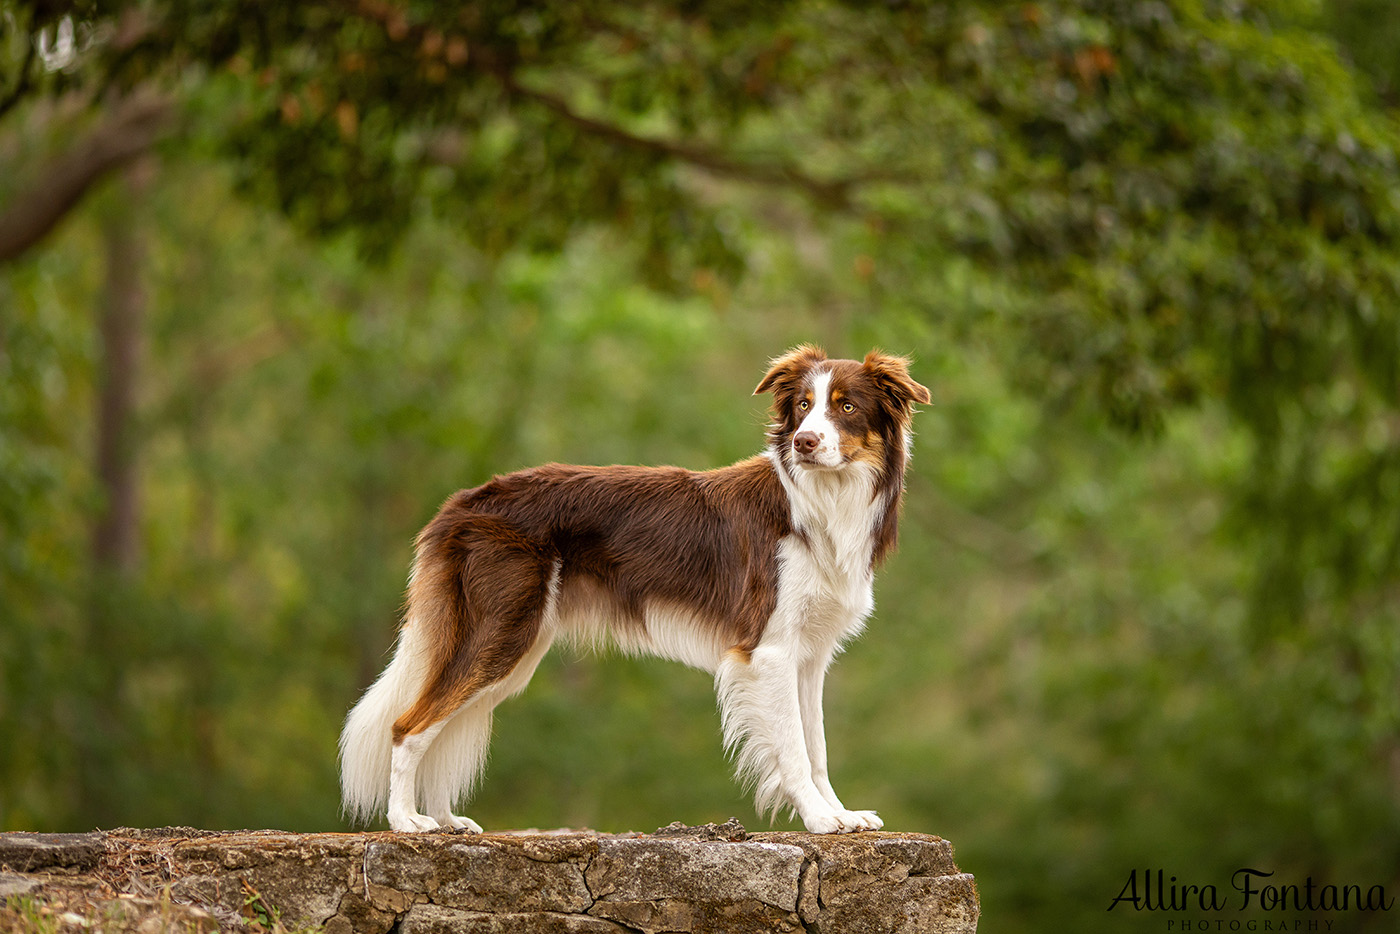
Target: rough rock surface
[[716, 878]]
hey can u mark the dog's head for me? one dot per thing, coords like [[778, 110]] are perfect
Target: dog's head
[[833, 413]]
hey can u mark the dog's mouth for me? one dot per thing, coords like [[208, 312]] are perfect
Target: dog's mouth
[[814, 461]]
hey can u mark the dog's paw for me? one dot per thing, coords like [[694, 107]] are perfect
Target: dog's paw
[[457, 822], [843, 822], [412, 823], [864, 820], [823, 823]]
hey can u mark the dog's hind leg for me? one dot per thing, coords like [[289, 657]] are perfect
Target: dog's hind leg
[[451, 764], [403, 774], [455, 760], [487, 612]]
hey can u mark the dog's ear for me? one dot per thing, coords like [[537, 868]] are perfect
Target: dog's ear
[[891, 374], [790, 365]]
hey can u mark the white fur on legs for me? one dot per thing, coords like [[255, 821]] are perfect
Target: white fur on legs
[[441, 764], [776, 677], [403, 781], [742, 718], [366, 745], [762, 716], [811, 678], [451, 765]]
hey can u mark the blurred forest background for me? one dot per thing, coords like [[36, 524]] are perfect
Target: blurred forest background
[[276, 279]]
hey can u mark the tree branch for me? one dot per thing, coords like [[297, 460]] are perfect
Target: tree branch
[[830, 192], [834, 192], [133, 126]]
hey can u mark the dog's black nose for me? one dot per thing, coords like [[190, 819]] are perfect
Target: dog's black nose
[[805, 442]]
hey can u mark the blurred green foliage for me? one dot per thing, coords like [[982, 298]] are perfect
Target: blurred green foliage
[[1144, 613]]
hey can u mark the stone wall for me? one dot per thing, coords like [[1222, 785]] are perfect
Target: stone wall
[[706, 879]]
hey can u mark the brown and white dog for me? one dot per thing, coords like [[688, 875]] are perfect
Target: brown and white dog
[[757, 573]]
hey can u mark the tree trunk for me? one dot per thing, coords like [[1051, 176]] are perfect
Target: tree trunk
[[114, 544], [116, 528]]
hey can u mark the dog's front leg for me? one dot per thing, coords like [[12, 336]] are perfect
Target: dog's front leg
[[781, 714], [762, 708], [811, 679]]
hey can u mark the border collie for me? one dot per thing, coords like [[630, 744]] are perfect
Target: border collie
[[757, 573]]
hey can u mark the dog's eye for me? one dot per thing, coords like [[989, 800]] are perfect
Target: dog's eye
[[804, 405], [848, 408]]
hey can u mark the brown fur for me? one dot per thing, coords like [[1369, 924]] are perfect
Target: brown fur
[[634, 534]]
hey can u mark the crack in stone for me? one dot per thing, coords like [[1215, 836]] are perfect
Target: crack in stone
[[592, 895], [806, 888]]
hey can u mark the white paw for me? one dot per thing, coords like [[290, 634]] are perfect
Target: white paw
[[823, 823], [864, 820], [457, 822], [412, 823], [843, 822]]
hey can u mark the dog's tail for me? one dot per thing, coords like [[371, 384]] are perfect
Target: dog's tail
[[366, 742]]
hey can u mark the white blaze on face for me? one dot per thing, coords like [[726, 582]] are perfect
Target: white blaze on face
[[817, 420]]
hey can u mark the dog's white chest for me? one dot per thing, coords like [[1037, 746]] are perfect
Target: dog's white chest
[[828, 599], [826, 582]]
